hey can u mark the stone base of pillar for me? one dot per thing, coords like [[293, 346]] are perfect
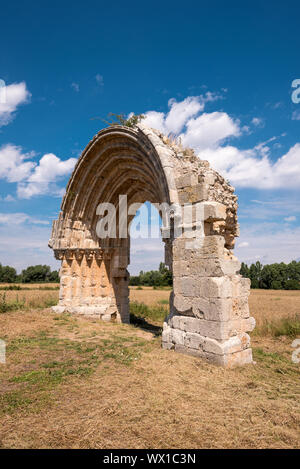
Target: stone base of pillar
[[179, 335], [97, 312]]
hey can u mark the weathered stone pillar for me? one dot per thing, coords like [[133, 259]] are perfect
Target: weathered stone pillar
[[209, 314], [86, 285]]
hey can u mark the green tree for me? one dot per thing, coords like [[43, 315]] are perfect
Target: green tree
[[7, 274], [54, 276], [36, 274]]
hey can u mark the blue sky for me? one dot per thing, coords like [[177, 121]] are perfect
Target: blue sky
[[227, 66]]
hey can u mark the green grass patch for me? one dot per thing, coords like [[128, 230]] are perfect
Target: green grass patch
[[163, 302], [154, 313], [12, 401]]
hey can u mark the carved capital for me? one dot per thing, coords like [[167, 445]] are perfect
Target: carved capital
[[59, 254], [70, 254], [79, 253]]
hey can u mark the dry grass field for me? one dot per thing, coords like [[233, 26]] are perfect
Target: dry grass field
[[69, 382]]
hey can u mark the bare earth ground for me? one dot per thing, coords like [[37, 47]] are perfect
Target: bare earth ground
[[75, 383]]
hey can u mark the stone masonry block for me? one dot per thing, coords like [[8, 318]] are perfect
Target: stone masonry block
[[213, 309], [215, 287], [214, 211], [220, 330], [177, 336], [231, 360], [214, 267], [193, 340], [184, 286], [240, 286], [232, 345], [192, 194], [189, 351], [189, 179], [240, 307], [182, 304]]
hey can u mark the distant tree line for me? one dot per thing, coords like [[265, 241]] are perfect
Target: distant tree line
[[154, 278], [273, 276], [33, 274]]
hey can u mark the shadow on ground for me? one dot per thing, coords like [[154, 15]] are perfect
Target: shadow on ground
[[142, 323]]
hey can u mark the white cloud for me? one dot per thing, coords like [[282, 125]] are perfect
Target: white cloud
[[33, 178], [12, 96], [44, 176], [258, 122], [26, 244], [254, 168], [208, 134], [264, 241], [14, 165], [273, 209], [290, 219], [145, 254], [179, 113], [75, 87], [19, 219], [296, 116], [7, 198], [99, 79], [209, 130], [244, 244]]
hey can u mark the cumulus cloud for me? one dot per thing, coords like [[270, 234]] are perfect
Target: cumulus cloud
[[179, 113], [33, 178], [44, 176], [290, 219], [210, 134], [209, 130], [254, 168], [12, 96], [15, 165]]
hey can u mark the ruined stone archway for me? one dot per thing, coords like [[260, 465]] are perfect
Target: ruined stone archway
[[209, 313]]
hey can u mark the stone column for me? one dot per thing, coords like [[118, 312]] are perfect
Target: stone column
[[209, 314]]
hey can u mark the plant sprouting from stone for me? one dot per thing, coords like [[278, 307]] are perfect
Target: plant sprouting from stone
[[121, 119]]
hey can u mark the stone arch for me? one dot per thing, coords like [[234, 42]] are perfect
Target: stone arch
[[209, 313]]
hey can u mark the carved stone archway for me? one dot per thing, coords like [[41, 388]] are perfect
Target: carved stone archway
[[209, 313]]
